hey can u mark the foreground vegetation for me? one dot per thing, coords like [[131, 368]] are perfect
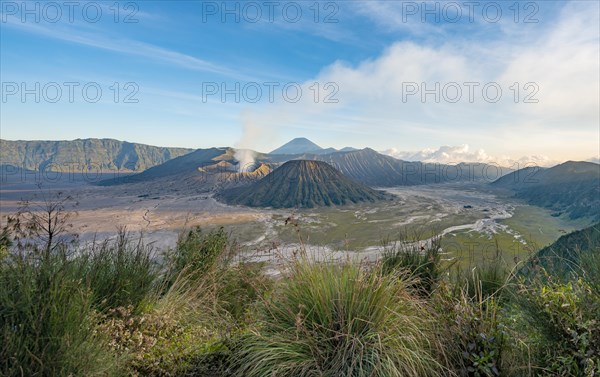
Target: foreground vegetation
[[116, 308]]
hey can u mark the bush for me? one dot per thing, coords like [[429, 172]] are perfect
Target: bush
[[5, 243], [207, 257], [240, 287], [175, 337], [564, 320], [118, 273], [471, 313], [47, 322], [113, 309], [197, 252], [423, 265], [473, 330], [589, 272], [186, 320], [338, 320], [485, 279]]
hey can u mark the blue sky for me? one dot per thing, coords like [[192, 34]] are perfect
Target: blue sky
[[375, 58]]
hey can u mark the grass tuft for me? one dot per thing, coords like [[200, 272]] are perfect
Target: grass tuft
[[338, 320]]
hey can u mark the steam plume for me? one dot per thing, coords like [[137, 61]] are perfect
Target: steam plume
[[246, 160], [250, 133]]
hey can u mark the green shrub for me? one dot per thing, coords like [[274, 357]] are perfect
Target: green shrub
[[471, 313], [183, 326], [5, 243], [111, 308], [589, 272], [159, 343], [179, 334], [556, 303], [240, 286], [119, 273], [566, 319], [197, 252], [47, 322], [474, 332], [485, 279], [338, 320], [422, 264]]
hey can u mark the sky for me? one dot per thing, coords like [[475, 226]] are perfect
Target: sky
[[490, 81]]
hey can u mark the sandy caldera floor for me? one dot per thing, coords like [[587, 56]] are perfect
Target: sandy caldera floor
[[99, 211], [160, 213]]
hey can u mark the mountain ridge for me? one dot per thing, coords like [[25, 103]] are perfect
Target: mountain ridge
[[206, 170], [560, 257], [91, 153], [378, 170], [571, 188]]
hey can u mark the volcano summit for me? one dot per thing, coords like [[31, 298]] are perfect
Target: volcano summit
[[302, 184]]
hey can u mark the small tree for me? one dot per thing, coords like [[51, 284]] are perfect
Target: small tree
[[43, 224]]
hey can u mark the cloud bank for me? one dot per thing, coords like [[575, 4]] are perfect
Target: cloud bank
[[549, 78], [462, 153]]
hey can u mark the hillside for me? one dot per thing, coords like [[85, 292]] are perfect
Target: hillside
[[96, 154], [564, 255], [368, 167], [519, 178], [302, 183], [375, 169], [188, 163], [571, 188], [204, 169]]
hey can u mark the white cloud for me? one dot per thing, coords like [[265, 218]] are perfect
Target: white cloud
[[566, 64], [561, 58], [462, 153], [595, 160]]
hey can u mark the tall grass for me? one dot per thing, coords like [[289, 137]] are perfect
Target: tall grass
[[119, 272], [47, 321], [175, 335], [487, 278], [208, 257], [338, 320], [197, 252], [422, 264], [110, 308], [195, 305]]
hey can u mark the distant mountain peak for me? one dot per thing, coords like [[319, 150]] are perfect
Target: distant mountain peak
[[301, 139], [298, 145]]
